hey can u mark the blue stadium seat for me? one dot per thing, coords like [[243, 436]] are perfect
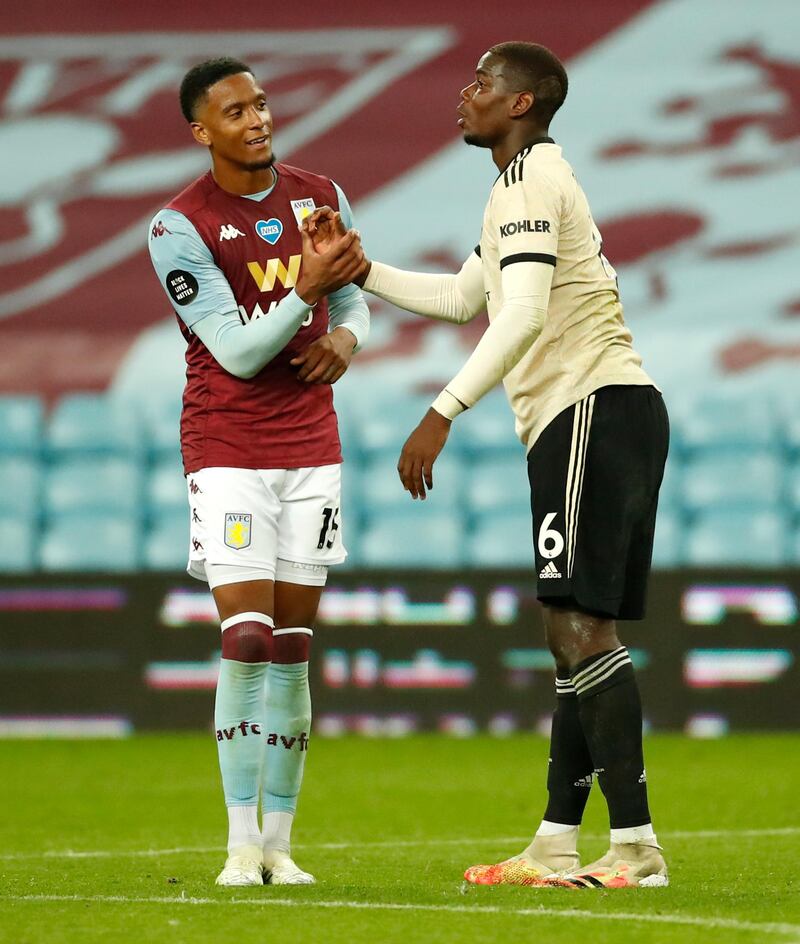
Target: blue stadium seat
[[166, 488], [721, 537], [733, 479], [669, 538], [166, 543], [20, 486], [87, 423], [502, 539], [385, 425], [794, 547], [162, 431], [352, 501], [94, 484], [793, 487], [417, 537], [498, 484], [714, 423], [91, 541], [670, 494], [17, 544], [21, 420], [488, 428], [382, 489]]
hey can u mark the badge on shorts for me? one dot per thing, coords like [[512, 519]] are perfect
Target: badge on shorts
[[237, 530]]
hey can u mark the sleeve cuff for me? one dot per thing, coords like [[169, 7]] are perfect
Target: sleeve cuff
[[448, 405]]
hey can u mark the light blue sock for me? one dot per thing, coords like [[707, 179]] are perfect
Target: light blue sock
[[238, 719], [287, 727]]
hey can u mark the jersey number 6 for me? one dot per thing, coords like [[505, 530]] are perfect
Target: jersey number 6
[[550, 542]]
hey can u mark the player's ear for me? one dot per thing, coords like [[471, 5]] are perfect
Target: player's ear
[[200, 134], [522, 104]]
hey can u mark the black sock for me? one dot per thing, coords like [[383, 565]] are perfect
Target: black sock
[[611, 716], [569, 775]]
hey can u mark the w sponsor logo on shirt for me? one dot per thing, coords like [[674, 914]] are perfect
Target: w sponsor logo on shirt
[[275, 270], [229, 231]]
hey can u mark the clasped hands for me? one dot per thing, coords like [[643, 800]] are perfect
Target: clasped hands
[[332, 257]]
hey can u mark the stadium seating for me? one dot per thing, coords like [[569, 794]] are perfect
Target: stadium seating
[[733, 479], [669, 537], [731, 490], [738, 537], [91, 541], [18, 543], [20, 425], [20, 485], [95, 484], [166, 543], [502, 539], [497, 484], [714, 424], [417, 537], [87, 423]]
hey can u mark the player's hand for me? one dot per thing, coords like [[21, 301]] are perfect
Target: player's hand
[[326, 359], [420, 451], [324, 272], [324, 225]]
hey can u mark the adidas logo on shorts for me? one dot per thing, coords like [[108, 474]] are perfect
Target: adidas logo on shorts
[[549, 570]]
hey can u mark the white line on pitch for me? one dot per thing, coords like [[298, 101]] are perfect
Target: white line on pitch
[[390, 844], [540, 912]]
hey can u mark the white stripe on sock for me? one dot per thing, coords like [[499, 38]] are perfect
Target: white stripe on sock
[[294, 629], [590, 670], [582, 689], [246, 618]]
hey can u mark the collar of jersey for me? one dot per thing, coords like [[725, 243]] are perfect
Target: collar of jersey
[[530, 144], [257, 197]]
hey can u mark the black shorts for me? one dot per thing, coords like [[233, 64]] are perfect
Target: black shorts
[[595, 472]]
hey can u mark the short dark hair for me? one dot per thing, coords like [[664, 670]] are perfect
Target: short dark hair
[[199, 79], [534, 68]]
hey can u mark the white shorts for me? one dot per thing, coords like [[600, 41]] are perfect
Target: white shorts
[[281, 523]]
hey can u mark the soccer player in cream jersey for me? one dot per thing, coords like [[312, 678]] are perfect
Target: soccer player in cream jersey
[[270, 324], [596, 433]]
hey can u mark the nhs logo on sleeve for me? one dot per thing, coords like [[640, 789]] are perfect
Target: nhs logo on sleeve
[[270, 230]]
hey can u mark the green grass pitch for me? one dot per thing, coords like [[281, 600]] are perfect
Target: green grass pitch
[[121, 841]]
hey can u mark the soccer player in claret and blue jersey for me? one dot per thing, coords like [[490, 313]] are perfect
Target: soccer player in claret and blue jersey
[[596, 433], [270, 324]]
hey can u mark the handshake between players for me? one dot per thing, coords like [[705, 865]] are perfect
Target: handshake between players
[[332, 257]]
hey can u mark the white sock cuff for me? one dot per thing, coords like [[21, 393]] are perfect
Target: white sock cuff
[[553, 829], [635, 834], [285, 630], [246, 618]]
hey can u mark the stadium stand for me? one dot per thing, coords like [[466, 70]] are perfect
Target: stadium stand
[[99, 485]]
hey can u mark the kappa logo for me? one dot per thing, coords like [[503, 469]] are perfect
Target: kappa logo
[[275, 270], [525, 226], [270, 230], [238, 530], [229, 231], [159, 230], [549, 571], [303, 208]]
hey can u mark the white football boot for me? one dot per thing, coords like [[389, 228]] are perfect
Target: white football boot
[[244, 866], [280, 869]]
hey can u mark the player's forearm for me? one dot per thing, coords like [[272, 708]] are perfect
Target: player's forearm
[[446, 297], [348, 309], [516, 327], [244, 349]]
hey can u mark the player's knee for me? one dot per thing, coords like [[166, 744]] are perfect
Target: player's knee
[[291, 645], [247, 642]]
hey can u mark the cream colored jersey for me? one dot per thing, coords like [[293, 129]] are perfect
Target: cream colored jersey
[[538, 213]]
